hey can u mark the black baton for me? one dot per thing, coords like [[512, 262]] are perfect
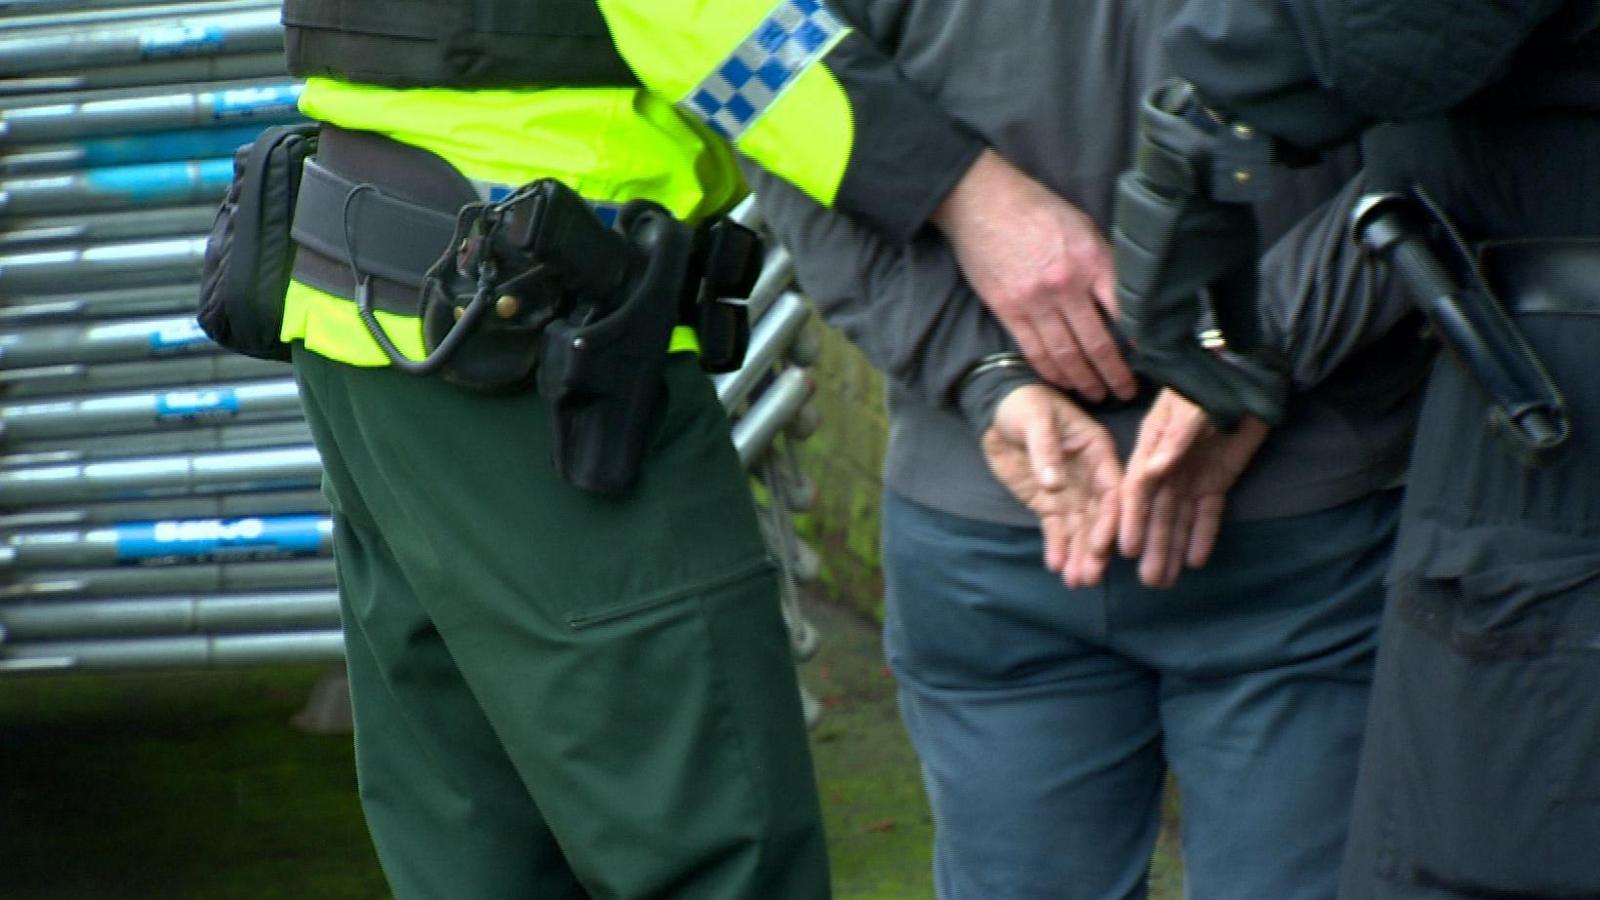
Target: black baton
[[1524, 404]]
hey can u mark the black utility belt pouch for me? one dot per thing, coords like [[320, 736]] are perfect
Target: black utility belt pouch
[[536, 290], [536, 287], [543, 252], [249, 253]]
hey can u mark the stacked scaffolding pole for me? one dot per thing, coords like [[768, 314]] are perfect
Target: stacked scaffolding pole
[[159, 502]]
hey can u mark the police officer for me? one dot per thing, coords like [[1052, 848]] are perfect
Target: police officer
[[568, 687], [1479, 777]]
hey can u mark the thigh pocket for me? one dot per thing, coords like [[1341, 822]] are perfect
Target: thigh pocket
[[1487, 740], [684, 712], [670, 601]]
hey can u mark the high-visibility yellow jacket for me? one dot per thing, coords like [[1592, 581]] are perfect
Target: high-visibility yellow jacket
[[787, 83]]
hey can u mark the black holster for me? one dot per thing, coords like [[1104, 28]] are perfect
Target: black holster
[[600, 375]]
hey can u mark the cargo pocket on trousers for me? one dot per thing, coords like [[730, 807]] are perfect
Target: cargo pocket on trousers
[[1488, 740], [580, 620]]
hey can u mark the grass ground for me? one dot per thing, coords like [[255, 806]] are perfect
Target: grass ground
[[191, 786]]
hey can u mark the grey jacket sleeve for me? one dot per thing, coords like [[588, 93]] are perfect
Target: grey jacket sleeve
[[907, 308], [1314, 72], [1321, 301], [911, 313]]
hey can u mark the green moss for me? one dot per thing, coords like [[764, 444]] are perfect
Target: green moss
[[880, 834], [862, 537]]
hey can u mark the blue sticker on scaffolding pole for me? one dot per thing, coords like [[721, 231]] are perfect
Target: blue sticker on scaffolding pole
[[256, 102], [199, 538], [190, 405], [179, 144], [150, 181], [184, 335], [179, 40], [214, 174]]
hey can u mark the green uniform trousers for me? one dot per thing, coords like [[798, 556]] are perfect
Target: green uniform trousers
[[558, 695]]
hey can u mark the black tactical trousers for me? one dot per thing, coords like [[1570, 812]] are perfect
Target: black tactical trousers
[[1480, 776]]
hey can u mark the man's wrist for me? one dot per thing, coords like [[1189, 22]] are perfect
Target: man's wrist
[[989, 381], [951, 213]]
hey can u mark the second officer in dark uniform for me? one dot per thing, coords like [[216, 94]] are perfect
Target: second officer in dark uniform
[[1480, 777]]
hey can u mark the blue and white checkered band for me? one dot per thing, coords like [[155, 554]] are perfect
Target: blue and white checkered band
[[749, 81]]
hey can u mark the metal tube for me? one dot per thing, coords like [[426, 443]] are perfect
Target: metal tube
[[170, 542], [754, 432], [57, 451], [264, 503], [117, 187], [162, 476], [140, 224], [213, 578], [136, 41], [777, 276], [131, 92], [19, 10], [199, 651], [260, 102], [233, 67], [87, 13], [769, 338], [148, 300], [102, 265], [103, 342], [129, 149], [126, 617], [47, 381], [117, 413], [748, 214]]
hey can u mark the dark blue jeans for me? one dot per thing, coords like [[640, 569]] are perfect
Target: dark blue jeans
[[1046, 719]]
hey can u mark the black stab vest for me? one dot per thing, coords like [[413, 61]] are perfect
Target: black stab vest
[[1559, 68], [454, 43]]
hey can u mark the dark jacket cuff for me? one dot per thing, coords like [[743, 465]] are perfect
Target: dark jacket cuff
[[908, 153], [981, 393]]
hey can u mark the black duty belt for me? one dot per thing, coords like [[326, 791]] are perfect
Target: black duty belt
[[583, 309], [1545, 276], [377, 206]]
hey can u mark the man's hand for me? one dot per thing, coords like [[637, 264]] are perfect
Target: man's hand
[[1063, 466], [1176, 487], [1044, 270]]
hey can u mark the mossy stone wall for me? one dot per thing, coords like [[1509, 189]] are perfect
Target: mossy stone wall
[[845, 457]]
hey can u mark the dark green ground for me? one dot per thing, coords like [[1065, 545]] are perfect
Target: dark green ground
[[191, 786]]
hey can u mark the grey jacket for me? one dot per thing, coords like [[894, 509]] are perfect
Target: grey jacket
[[1054, 86]]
